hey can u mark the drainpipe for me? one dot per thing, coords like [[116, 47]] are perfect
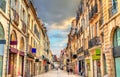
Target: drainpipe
[[8, 46], [26, 51]]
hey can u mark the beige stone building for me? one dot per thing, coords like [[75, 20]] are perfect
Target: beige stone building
[[110, 29], [22, 39], [96, 39]]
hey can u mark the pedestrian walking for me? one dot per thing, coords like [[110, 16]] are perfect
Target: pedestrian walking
[[68, 71]]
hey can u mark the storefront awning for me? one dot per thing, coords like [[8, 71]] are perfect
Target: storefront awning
[[13, 50]]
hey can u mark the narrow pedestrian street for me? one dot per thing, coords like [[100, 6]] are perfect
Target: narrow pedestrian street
[[59, 38], [57, 73]]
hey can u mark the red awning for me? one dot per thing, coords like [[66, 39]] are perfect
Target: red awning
[[13, 42], [44, 62], [13, 50], [21, 53]]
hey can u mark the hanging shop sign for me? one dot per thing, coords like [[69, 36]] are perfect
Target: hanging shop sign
[[13, 42], [44, 62], [2, 41], [33, 50], [98, 51]]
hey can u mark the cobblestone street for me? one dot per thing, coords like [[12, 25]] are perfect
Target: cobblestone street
[[57, 73]]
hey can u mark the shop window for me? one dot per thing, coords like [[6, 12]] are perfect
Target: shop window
[[116, 39]]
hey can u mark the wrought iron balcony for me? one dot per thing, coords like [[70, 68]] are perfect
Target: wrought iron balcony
[[3, 5], [15, 17], [116, 51], [86, 52], [80, 50], [23, 26], [113, 9], [94, 42], [80, 30]]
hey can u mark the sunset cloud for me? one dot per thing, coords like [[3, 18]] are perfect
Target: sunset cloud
[[61, 25]]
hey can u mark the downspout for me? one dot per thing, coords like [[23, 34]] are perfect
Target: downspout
[[8, 46], [25, 56]]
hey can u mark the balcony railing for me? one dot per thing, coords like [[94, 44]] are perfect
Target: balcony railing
[[3, 5], [86, 52], [94, 42], [93, 12], [113, 10], [116, 51], [81, 30], [80, 50], [23, 26], [15, 17]]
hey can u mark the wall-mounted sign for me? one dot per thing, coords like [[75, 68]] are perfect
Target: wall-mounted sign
[[13, 42], [98, 51], [2, 41], [33, 50], [1, 49], [95, 57]]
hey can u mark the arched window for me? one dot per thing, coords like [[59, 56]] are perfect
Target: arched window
[[13, 36], [1, 32], [116, 39], [21, 44]]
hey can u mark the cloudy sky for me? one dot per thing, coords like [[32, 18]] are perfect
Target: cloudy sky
[[57, 16]]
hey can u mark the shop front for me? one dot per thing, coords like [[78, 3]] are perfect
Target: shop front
[[88, 68], [116, 51], [13, 52], [13, 61], [21, 57], [81, 65], [2, 43], [30, 61], [21, 63], [96, 63], [87, 63]]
